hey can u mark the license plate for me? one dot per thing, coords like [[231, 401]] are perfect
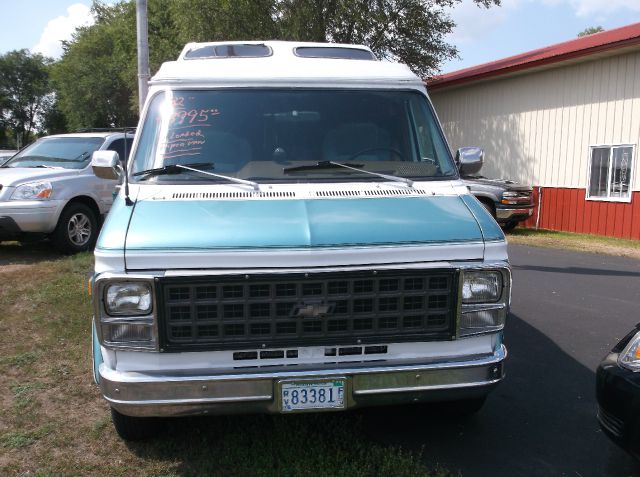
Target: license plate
[[302, 395]]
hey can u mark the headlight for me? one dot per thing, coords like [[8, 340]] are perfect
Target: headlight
[[483, 321], [131, 298], [481, 287], [485, 300], [123, 333], [513, 198], [33, 191], [630, 356]]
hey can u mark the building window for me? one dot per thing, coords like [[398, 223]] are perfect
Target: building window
[[610, 172]]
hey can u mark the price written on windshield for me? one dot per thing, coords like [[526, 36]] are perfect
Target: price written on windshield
[[193, 116]]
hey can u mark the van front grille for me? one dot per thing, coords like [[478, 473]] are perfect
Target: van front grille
[[242, 312]]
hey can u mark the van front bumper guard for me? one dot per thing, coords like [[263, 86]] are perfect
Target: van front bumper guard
[[255, 390]]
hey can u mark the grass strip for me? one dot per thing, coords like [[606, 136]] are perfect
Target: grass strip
[[577, 242]]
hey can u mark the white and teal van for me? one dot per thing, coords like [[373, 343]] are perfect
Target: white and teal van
[[293, 236]]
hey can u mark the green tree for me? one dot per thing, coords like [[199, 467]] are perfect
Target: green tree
[[91, 76], [219, 20], [54, 120], [410, 31], [591, 30], [25, 93], [96, 78]]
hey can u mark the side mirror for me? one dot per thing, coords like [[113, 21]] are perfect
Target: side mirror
[[106, 165], [469, 160]]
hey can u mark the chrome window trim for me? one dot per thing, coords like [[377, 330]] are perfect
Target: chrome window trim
[[632, 171], [101, 282]]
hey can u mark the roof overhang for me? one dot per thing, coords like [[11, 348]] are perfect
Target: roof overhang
[[610, 43]]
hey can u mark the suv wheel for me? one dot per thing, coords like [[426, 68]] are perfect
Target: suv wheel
[[77, 229], [509, 226]]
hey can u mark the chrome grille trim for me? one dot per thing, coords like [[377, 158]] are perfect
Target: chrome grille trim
[[611, 423], [330, 308]]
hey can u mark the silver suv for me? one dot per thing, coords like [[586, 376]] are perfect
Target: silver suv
[[49, 190]]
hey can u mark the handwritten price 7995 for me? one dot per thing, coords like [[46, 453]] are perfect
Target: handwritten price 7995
[[193, 116]]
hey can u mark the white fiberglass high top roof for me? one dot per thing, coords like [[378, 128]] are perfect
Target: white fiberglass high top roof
[[247, 63]]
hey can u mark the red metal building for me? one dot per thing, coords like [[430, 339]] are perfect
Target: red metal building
[[564, 118]]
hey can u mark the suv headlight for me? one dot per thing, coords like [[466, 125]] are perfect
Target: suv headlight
[[130, 298], [125, 307], [630, 356], [512, 198], [485, 300], [33, 191]]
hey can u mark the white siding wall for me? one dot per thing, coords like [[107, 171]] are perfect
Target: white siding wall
[[537, 127]]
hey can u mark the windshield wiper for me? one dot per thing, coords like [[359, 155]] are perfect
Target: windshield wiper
[[179, 168], [354, 167], [80, 157], [170, 169]]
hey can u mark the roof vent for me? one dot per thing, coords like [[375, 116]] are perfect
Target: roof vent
[[232, 50], [334, 52]]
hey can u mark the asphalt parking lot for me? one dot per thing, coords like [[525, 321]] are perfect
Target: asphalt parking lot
[[568, 310]]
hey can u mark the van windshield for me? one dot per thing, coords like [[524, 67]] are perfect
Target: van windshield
[[280, 135]]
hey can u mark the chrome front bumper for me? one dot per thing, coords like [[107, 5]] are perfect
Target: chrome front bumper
[[255, 390], [520, 213]]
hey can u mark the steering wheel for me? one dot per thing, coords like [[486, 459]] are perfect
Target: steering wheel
[[372, 149]]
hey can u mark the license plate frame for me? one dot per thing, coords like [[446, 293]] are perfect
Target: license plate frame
[[308, 394]]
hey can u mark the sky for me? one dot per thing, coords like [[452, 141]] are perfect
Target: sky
[[481, 34]]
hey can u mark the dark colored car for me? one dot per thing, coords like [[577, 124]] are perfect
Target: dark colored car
[[618, 393], [507, 201]]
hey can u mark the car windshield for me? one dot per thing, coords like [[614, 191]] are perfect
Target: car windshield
[[64, 152], [291, 135]]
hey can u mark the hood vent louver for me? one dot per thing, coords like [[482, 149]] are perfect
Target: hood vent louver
[[319, 194], [369, 193], [233, 195]]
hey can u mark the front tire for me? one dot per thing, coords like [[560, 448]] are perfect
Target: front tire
[[77, 229], [131, 428], [509, 226]]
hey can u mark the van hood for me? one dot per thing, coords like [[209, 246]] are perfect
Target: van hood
[[14, 176], [164, 229], [504, 184]]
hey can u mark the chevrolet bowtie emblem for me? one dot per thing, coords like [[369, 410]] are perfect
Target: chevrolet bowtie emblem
[[312, 310]]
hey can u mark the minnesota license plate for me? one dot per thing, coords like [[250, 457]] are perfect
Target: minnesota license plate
[[303, 395]]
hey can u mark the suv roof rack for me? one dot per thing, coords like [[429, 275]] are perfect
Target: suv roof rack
[[124, 129]]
